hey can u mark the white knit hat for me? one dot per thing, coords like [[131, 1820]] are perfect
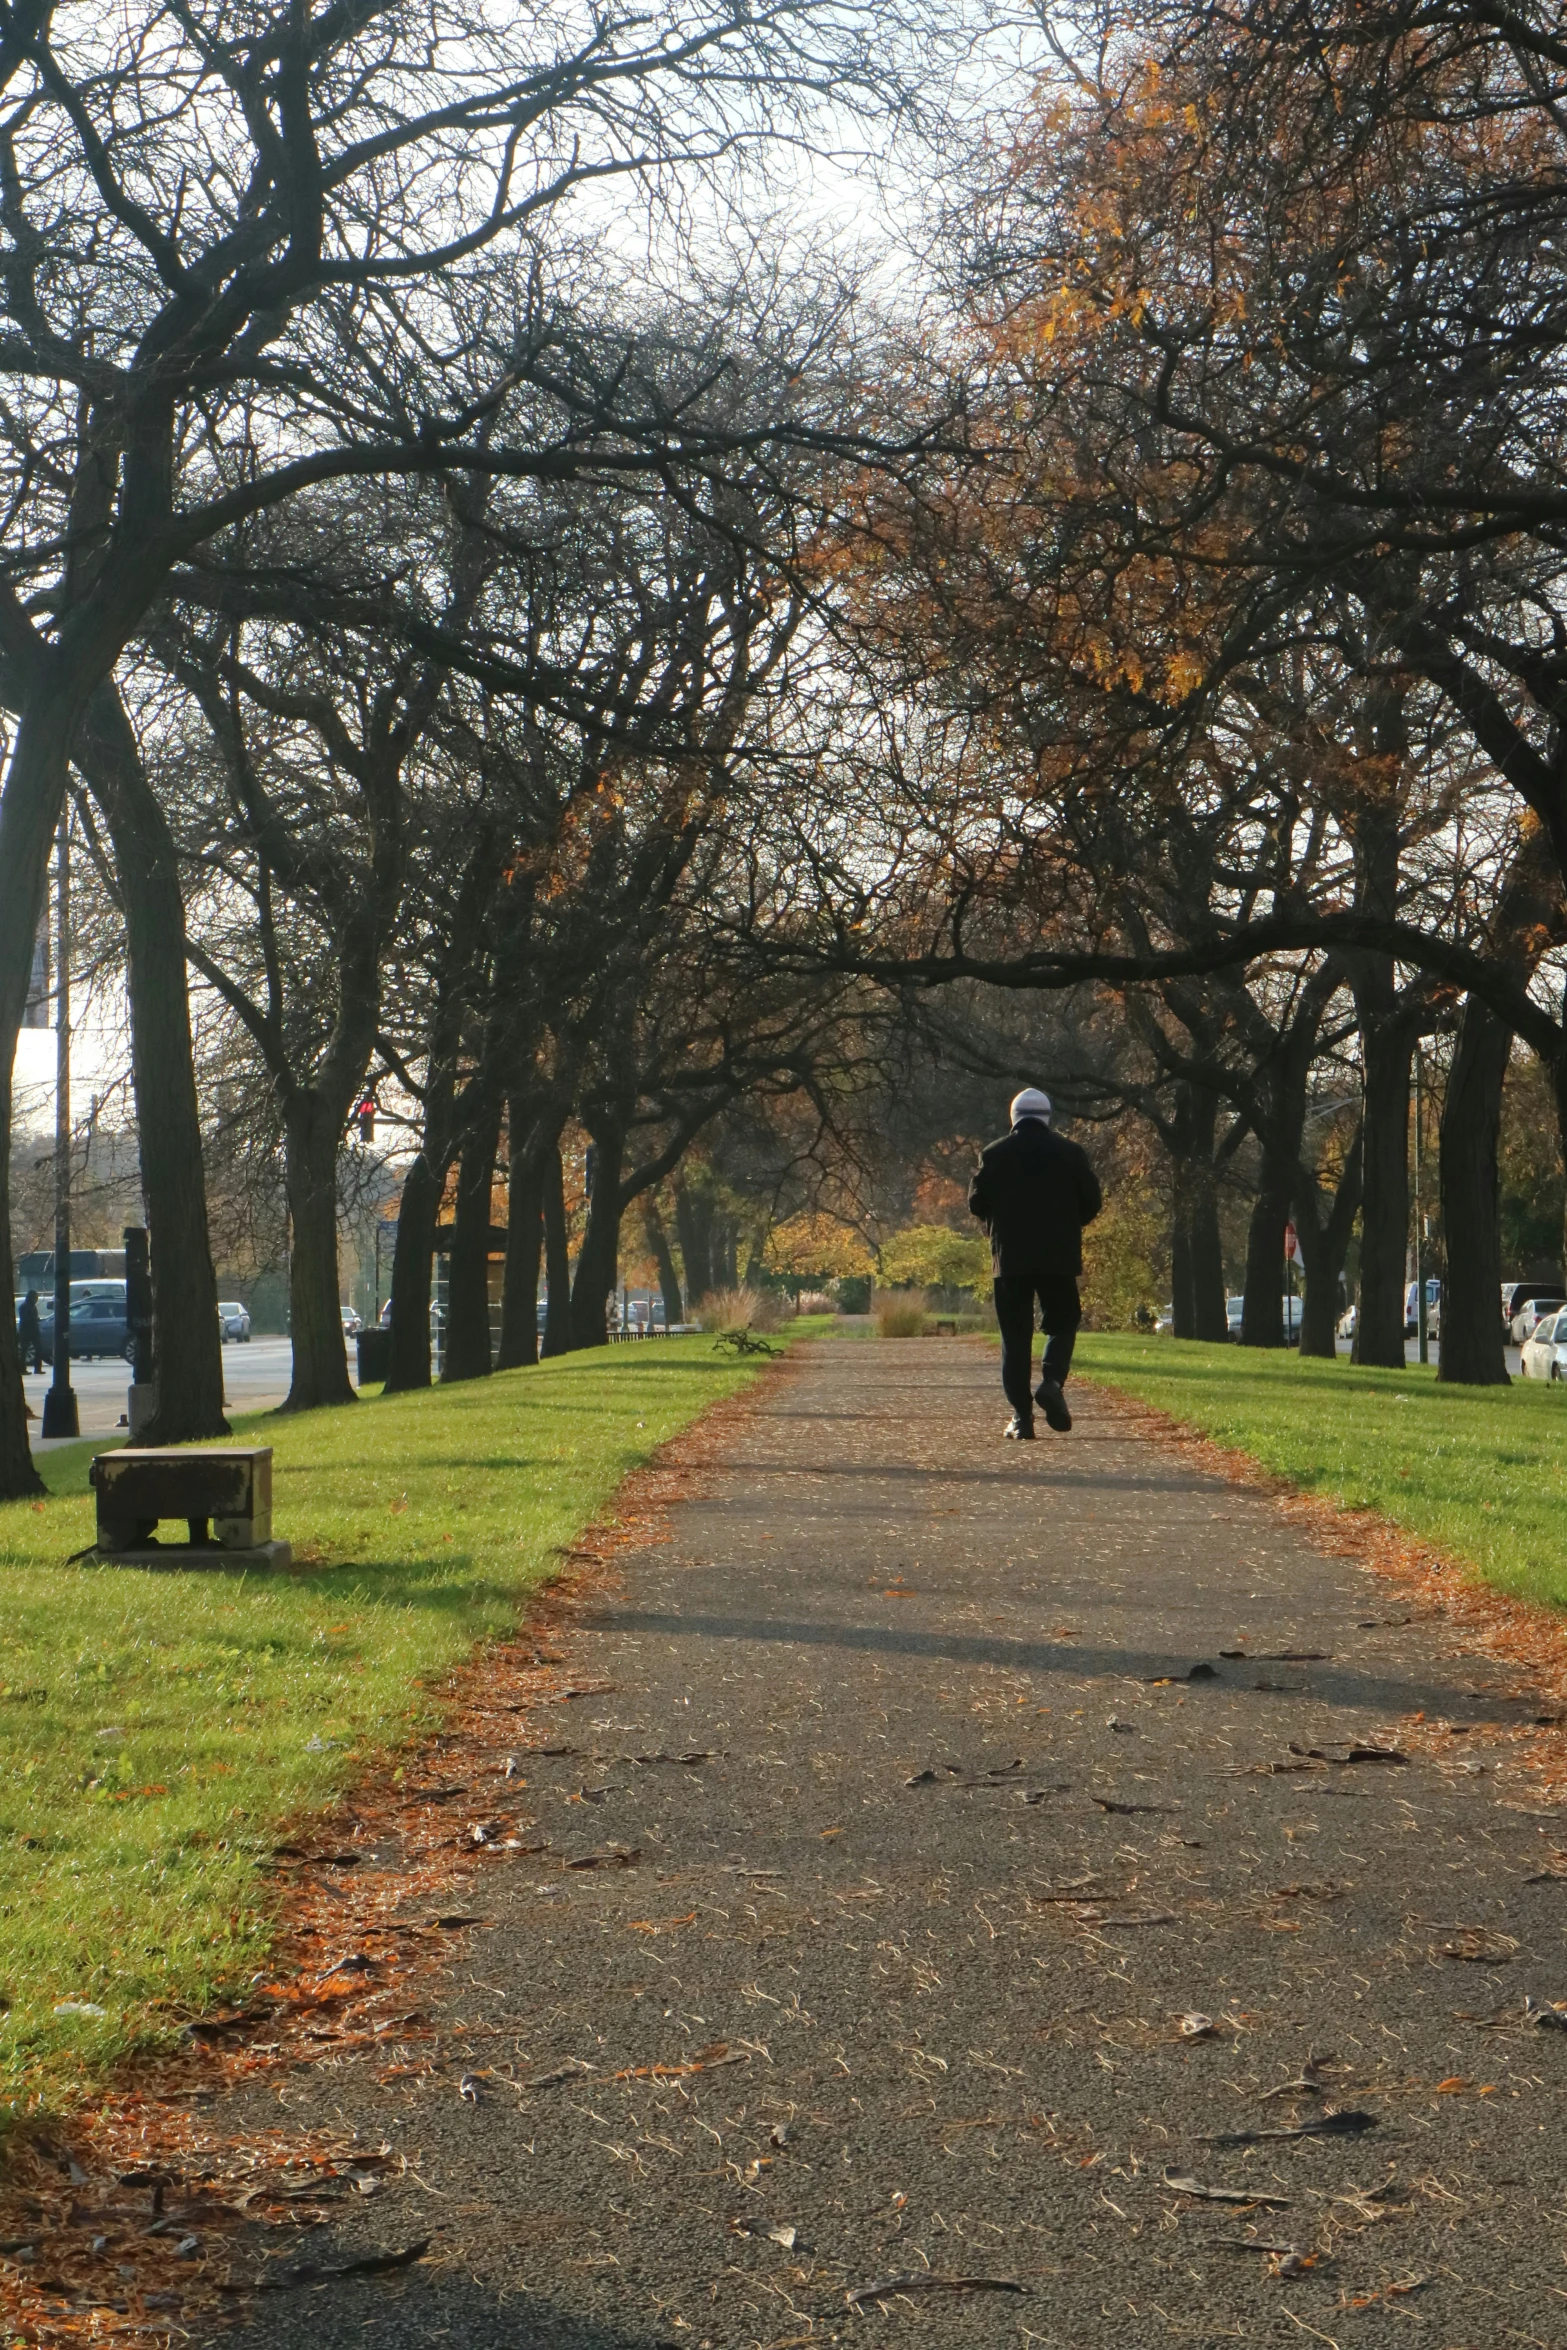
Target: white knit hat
[[1031, 1103]]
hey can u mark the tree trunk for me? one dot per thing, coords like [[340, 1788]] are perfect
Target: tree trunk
[[557, 1258], [524, 1241], [1471, 1350], [694, 1230], [598, 1259], [1197, 1253], [1386, 1045], [1262, 1316], [726, 1266], [29, 811], [1207, 1249], [668, 1279], [413, 1261], [1319, 1308], [186, 1339], [312, 1136], [1182, 1292], [467, 1353], [1326, 1242]]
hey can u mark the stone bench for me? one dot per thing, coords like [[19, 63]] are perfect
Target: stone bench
[[223, 1495]]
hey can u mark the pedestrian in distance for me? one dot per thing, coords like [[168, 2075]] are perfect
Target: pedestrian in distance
[[29, 1332], [1034, 1191]]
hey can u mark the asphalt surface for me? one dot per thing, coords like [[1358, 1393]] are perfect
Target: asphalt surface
[[960, 1849], [255, 1377]]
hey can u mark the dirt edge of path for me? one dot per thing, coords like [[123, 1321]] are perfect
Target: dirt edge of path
[[147, 2171]]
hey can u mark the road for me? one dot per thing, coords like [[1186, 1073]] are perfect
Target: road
[[255, 1377]]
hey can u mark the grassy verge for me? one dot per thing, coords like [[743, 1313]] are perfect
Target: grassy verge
[[1479, 1471], [156, 1729]]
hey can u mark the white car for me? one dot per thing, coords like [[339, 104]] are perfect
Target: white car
[[1529, 1317], [1545, 1353], [1290, 1311], [233, 1321], [352, 1325]]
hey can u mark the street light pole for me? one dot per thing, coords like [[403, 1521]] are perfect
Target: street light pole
[[61, 1417], [1421, 1323]]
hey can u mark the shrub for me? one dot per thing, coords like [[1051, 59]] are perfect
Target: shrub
[[815, 1301], [936, 1258], [740, 1309], [1122, 1255], [900, 1313]]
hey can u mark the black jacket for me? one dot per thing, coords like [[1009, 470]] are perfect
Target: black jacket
[[1035, 1191]]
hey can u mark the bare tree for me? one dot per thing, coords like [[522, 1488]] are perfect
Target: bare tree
[[224, 251]]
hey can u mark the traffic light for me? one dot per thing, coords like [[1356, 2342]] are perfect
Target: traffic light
[[365, 1115]]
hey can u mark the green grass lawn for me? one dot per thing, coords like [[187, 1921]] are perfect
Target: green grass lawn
[[1479, 1471], [158, 1728]]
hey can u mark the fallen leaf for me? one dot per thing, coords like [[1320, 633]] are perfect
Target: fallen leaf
[[924, 2280], [1182, 2183], [1342, 2122], [706, 2060]]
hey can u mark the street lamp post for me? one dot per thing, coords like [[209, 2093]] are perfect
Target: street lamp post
[[1421, 1323], [61, 1417]]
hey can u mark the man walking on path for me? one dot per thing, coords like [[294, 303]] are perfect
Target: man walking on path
[[1035, 1191]]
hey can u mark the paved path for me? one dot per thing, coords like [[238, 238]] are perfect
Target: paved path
[[964, 1848]]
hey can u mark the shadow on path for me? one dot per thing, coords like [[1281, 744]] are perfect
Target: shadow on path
[[1361, 1690]]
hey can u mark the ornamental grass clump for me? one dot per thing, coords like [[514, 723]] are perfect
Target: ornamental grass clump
[[900, 1313], [740, 1309]]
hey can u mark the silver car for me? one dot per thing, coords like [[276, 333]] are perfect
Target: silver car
[[233, 1322], [1545, 1353]]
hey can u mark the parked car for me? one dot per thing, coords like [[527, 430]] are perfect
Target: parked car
[[1545, 1353], [1518, 1294], [1433, 1308], [352, 1325], [1292, 1308], [234, 1322], [385, 1320], [1529, 1316], [97, 1327], [82, 1292]]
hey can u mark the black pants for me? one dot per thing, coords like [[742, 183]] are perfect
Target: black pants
[[1060, 1312]]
